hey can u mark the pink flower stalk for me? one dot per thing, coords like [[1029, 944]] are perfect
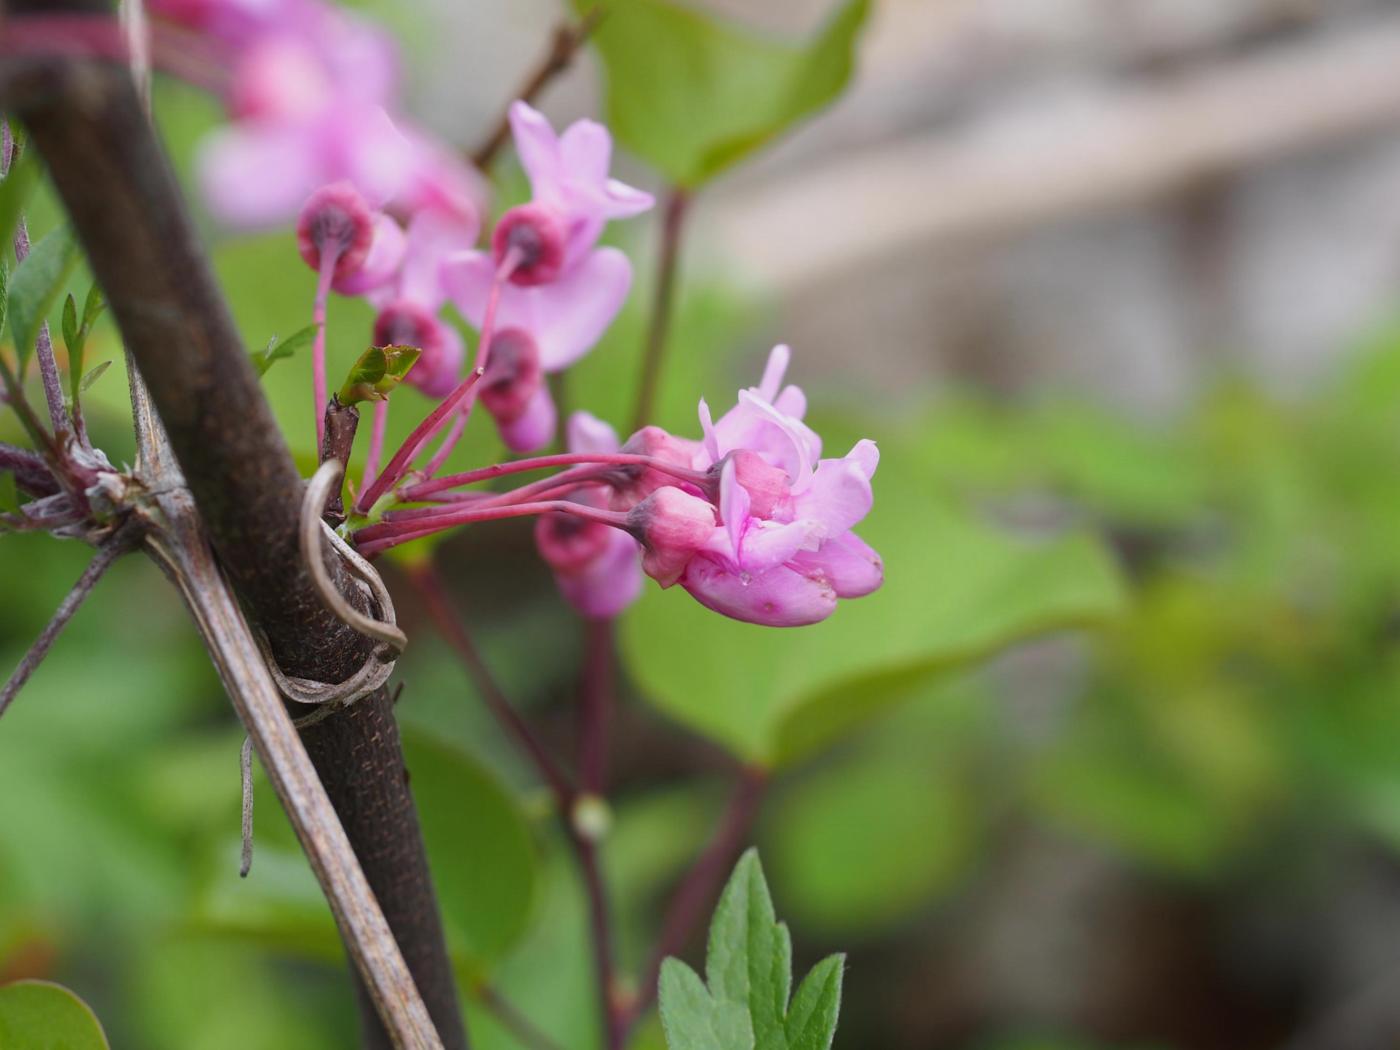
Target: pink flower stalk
[[596, 567], [782, 552], [564, 291]]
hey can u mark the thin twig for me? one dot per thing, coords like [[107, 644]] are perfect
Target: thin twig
[[596, 693], [614, 1019], [106, 554], [662, 305], [567, 38], [428, 584], [702, 882], [515, 1022]]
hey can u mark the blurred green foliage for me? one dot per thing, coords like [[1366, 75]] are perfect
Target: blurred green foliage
[[1233, 704]]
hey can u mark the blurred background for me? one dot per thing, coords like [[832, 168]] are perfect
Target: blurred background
[[1114, 283]]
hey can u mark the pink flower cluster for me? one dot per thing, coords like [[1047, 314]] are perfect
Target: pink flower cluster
[[395, 217], [763, 533], [749, 519]]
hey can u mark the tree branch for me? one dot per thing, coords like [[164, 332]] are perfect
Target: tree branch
[[88, 123]]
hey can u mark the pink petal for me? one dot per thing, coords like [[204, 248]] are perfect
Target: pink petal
[[733, 506], [866, 454], [768, 544], [585, 150], [838, 496], [570, 315], [386, 253], [538, 148], [610, 584], [258, 174], [707, 428], [433, 235], [466, 278], [588, 433], [848, 563], [534, 429], [774, 371], [792, 402], [780, 597]]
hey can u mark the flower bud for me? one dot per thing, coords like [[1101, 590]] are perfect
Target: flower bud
[[336, 218], [568, 544], [406, 323], [672, 526], [536, 233], [512, 375], [632, 484]]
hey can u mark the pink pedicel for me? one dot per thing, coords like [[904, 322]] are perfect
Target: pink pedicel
[[596, 567]]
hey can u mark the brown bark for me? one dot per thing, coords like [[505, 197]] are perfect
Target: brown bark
[[89, 125]]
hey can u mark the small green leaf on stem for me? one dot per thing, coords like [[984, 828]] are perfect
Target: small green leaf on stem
[[15, 189], [47, 1016], [94, 375], [75, 337], [743, 1002], [378, 371], [36, 284], [278, 350]]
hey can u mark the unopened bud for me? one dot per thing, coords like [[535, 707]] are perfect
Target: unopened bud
[[536, 235], [672, 526], [336, 218], [512, 375]]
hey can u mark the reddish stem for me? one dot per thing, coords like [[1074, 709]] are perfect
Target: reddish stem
[[564, 459], [701, 884], [329, 256], [428, 583], [376, 441], [377, 538], [416, 440], [596, 697]]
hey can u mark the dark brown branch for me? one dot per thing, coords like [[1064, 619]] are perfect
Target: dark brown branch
[[568, 37], [87, 121]]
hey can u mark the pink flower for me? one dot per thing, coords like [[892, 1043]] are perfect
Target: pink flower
[[780, 552], [562, 290], [409, 305], [595, 566]]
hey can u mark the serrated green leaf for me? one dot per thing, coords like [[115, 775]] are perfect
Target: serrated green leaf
[[95, 375], [70, 324], [4, 295], [93, 305], [36, 284], [377, 372], [277, 351], [693, 95], [40, 1015], [957, 589], [743, 1003]]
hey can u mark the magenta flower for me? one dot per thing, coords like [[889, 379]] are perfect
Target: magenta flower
[[780, 551], [409, 305], [552, 282], [596, 567]]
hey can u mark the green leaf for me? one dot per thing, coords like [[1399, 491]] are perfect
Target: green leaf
[[36, 284], [378, 371], [743, 1002], [693, 95], [75, 337], [39, 1015], [15, 189], [956, 591], [483, 858], [276, 351], [95, 375]]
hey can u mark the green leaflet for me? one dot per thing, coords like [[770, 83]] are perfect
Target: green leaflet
[[39, 1015], [35, 285], [278, 350], [743, 1003], [693, 95], [378, 371]]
